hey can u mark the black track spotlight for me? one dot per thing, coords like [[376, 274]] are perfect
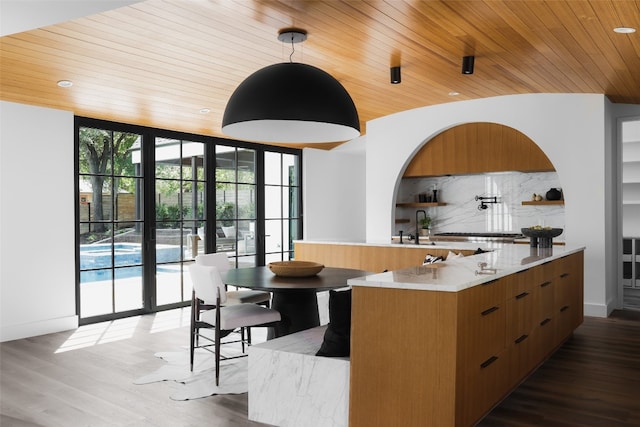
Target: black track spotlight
[[467, 64], [395, 75]]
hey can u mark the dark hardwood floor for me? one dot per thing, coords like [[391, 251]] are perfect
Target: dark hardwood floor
[[85, 378], [592, 380]]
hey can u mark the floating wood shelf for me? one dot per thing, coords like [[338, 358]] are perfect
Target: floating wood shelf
[[543, 202], [418, 205], [402, 221]]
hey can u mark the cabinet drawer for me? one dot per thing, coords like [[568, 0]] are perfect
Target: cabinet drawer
[[485, 384], [544, 295], [483, 334], [520, 316], [482, 297], [545, 338], [523, 281], [522, 358], [564, 293]]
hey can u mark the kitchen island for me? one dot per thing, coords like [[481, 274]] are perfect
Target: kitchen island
[[441, 344]]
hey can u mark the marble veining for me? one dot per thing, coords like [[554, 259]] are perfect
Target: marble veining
[[290, 386], [461, 213]]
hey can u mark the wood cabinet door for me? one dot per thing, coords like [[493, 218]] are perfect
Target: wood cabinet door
[[483, 328], [568, 296], [485, 384]]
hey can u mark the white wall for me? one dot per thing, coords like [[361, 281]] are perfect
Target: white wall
[[37, 261], [570, 129], [333, 185]]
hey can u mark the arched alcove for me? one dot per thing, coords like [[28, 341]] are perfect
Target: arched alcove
[[478, 159]]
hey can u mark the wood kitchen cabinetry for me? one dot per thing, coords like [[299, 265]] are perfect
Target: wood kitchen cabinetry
[[443, 359], [477, 148], [370, 258]]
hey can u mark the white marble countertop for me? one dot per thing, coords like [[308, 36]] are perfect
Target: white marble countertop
[[424, 244], [457, 274]]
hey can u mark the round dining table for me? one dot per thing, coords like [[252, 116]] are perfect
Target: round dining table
[[294, 297]]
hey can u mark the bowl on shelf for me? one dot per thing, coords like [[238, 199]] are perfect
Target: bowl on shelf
[[542, 237], [295, 268]]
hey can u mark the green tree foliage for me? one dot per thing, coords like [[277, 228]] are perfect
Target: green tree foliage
[[103, 153]]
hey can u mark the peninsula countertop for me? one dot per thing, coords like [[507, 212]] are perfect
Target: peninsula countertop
[[460, 273]]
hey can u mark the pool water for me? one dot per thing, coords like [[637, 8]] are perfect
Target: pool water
[[98, 260]]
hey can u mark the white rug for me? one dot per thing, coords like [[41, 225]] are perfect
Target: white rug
[[202, 381]]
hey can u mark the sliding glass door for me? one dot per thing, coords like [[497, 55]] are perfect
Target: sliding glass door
[[150, 201]]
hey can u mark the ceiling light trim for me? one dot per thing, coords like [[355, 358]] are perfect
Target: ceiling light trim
[[624, 30]]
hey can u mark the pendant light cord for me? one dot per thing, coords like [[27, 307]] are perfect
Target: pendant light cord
[[293, 50]]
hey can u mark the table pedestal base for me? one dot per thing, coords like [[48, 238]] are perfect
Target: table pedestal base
[[298, 309]]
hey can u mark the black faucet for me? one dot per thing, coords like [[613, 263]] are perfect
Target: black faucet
[[418, 225]]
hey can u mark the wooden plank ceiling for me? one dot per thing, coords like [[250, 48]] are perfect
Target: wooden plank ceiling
[[159, 62]]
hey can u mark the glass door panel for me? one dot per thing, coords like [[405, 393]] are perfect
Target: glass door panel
[[109, 222], [179, 212], [282, 205], [236, 195]]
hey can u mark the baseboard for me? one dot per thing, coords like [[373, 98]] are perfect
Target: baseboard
[[597, 310], [32, 329]]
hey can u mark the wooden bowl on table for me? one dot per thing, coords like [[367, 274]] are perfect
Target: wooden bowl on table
[[295, 268]]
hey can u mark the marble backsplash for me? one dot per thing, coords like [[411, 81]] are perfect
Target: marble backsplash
[[461, 214]]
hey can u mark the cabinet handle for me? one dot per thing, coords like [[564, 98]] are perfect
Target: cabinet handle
[[489, 310], [545, 321], [545, 284], [521, 338], [522, 295], [489, 282], [488, 362], [565, 308]]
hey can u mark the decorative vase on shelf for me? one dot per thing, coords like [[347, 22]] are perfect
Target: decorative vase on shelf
[[435, 196], [553, 194]]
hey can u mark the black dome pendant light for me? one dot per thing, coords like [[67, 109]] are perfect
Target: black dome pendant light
[[292, 103]]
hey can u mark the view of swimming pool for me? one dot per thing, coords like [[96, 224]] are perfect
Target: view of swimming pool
[[96, 260]]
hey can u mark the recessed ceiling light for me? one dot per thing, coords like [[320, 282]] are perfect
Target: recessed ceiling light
[[205, 110], [624, 30], [454, 93], [65, 83]]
